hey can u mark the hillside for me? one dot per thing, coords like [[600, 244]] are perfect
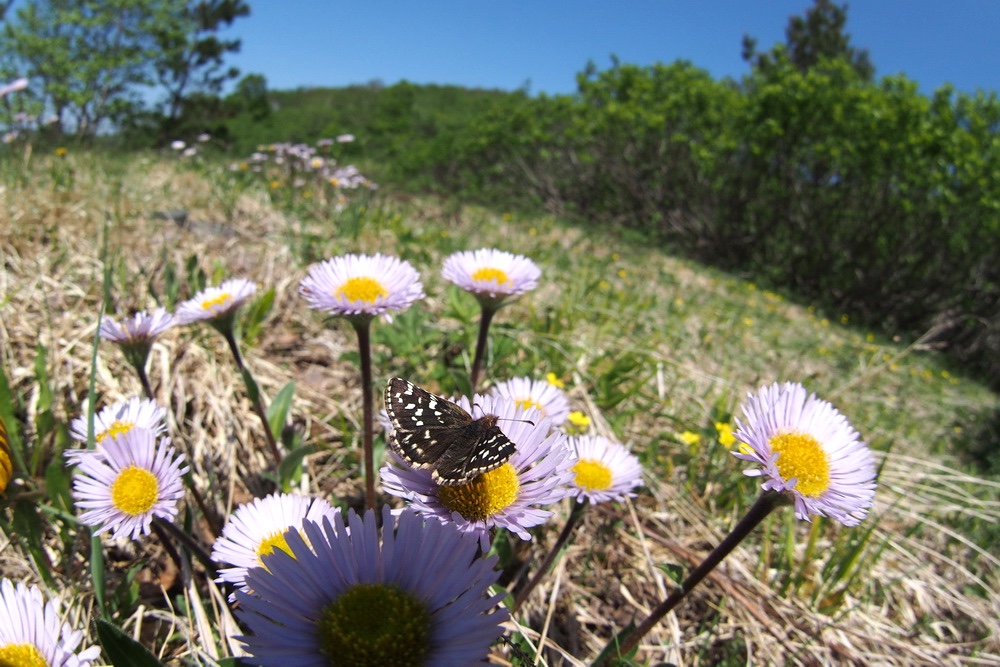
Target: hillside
[[655, 349]]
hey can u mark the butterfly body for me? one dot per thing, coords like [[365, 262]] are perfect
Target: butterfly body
[[432, 433]]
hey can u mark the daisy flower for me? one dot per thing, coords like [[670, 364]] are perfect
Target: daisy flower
[[603, 470], [491, 275], [126, 481], [542, 395], [806, 449], [361, 286], [216, 305], [142, 328], [509, 497], [420, 596], [120, 418], [31, 634], [258, 528]]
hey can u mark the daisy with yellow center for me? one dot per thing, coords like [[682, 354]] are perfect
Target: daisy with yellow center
[[804, 448], [216, 305], [420, 595], [257, 529], [603, 470], [510, 497], [361, 286], [31, 634], [126, 481], [491, 275], [120, 418], [117, 419], [540, 394]]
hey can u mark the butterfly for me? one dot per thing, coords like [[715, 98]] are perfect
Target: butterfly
[[433, 433]]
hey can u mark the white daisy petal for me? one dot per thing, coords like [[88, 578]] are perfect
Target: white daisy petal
[[491, 275], [603, 469], [540, 394], [256, 529], [214, 303], [126, 481], [363, 286], [806, 449], [31, 633]]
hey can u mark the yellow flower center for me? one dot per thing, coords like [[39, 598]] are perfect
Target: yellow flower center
[[362, 289], [484, 496], [525, 403], [489, 274], [803, 458], [135, 491], [21, 655], [592, 475], [370, 625], [275, 540], [208, 304], [116, 429]]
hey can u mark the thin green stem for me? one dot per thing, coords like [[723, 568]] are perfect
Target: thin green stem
[[362, 327], [481, 343], [574, 518], [767, 502], [253, 390]]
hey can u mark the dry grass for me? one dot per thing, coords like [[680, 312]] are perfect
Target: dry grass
[[931, 598]]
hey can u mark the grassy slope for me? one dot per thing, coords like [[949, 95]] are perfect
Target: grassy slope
[[650, 346]]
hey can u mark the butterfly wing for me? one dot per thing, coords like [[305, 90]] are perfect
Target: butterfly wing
[[425, 426], [481, 448], [430, 432]]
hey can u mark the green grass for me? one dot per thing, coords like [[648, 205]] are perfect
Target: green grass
[[650, 347]]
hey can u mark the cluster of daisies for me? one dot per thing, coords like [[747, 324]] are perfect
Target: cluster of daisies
[[300, 165], [306, 575]]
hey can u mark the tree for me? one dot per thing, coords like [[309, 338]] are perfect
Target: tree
[[810, 39], [191, 55], [89, 60]]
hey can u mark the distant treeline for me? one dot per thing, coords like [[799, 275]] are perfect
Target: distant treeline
[[863, 196]]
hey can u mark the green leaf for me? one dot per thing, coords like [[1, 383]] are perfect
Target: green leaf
[[291, 464], [122, 650], [57, 483], [256, 313], [253, 391], [277, 412], [610, 652], [29, 527]]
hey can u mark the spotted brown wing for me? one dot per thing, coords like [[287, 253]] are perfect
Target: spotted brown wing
[[432, 433]]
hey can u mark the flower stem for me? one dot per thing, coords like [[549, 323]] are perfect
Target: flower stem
[[368, 409], [253, 390], [767, 502], [481, 342], [140, 368], [574, 518]]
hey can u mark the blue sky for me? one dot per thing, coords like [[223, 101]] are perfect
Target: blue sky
[[545, 43]]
